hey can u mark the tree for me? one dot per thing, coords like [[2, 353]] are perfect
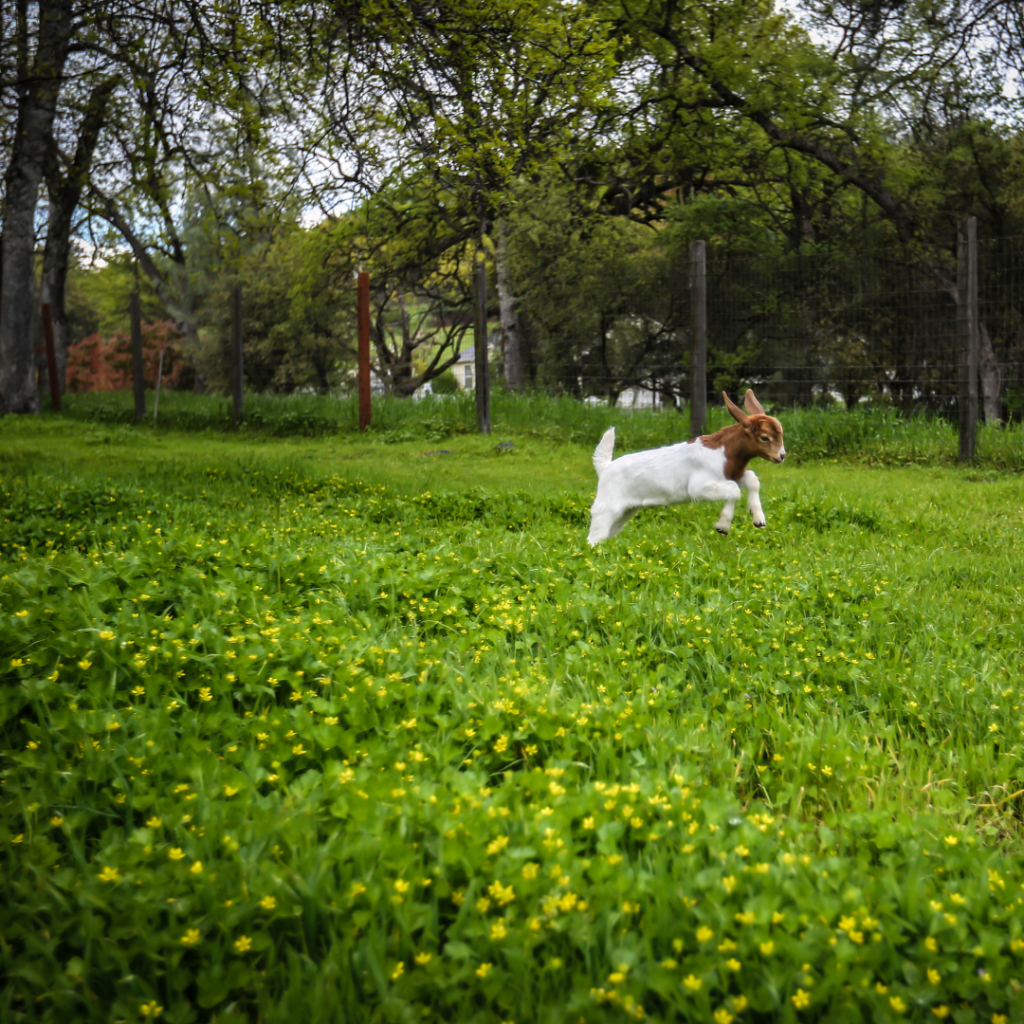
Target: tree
[[42, 51]]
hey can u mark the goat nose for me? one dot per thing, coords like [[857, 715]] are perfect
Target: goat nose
[[782, 455]]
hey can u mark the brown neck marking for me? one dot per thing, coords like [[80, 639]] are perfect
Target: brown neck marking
[[739, 449]]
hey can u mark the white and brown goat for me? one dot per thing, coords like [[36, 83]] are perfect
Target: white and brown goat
[[711, 468]]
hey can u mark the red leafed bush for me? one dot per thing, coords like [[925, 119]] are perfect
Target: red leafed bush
[[105, 364]]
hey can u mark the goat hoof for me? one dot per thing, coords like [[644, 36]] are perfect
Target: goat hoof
[[761, 525], [723, 530]]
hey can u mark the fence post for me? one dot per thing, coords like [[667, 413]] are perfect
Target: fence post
[[699, 348], [51, 356], [483, 384], [237, 365], [363, 323], [138, 367], [159, 378], [967, 323]]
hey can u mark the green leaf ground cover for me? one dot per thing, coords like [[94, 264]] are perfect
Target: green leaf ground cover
[[280, 743]]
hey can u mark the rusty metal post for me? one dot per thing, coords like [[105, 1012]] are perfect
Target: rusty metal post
[[363, 323], [51, 356], [138, 366], [699, 344]]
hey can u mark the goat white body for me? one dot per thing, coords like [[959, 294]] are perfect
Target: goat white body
[[689, 471]]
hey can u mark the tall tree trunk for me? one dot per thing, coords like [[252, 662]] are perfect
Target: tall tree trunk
[[65, 187], [512, 357], [988, 371], [37, 108]]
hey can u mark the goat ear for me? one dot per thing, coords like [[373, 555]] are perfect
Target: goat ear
[[737, 413], [752, 405]]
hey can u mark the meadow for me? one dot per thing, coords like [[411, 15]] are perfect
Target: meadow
[[298, 724]]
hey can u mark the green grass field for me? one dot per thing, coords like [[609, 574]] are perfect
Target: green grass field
[[333, 729]]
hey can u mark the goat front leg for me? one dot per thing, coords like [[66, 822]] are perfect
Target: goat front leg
[[752, 485], [718, 490]]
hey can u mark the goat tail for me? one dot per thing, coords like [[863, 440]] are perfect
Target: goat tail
[[603, 451]]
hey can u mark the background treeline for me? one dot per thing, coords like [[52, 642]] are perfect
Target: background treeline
[[827, 156]]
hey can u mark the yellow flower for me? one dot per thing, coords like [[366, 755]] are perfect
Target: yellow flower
[[357, 888], [767, 948], [801, 999], [692, 983], [243, 944], [483, 970], [952, 841], [530, 870], [733, 965], [498, 930], [739, 1003], [588, 823], [897, 1004], [109, 874], [942, 1012], [84, 664], [930, 944], [729, 883], [398, 971], [1000, 1018], [704, 934], [424, 958], [176, 853], [497, 845], [230, 790], [151, 1009], [191, 937], [154, 822], [197, 868], [502, 893], [401, 885], [933, 976], [723, 1016], [106, 634], [268, 903], [205, 694]]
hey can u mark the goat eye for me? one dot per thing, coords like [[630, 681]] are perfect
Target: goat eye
[[765, 438]]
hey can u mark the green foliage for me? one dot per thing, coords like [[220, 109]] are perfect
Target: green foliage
[[279, 744], [445, 384], [298, 316]]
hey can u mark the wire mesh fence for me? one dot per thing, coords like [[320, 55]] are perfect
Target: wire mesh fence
[[801, 329]]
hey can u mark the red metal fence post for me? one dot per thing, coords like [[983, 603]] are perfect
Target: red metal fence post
[[363, 320]]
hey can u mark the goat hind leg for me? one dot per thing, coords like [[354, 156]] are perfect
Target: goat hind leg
[[725, 517], [607, 523]]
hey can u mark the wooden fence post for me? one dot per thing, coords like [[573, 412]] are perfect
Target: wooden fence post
[[699, 346], [968, 324], [363, 324], [237, 365], [483, 383], [51, 356], [159, 378], [138, 366]]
